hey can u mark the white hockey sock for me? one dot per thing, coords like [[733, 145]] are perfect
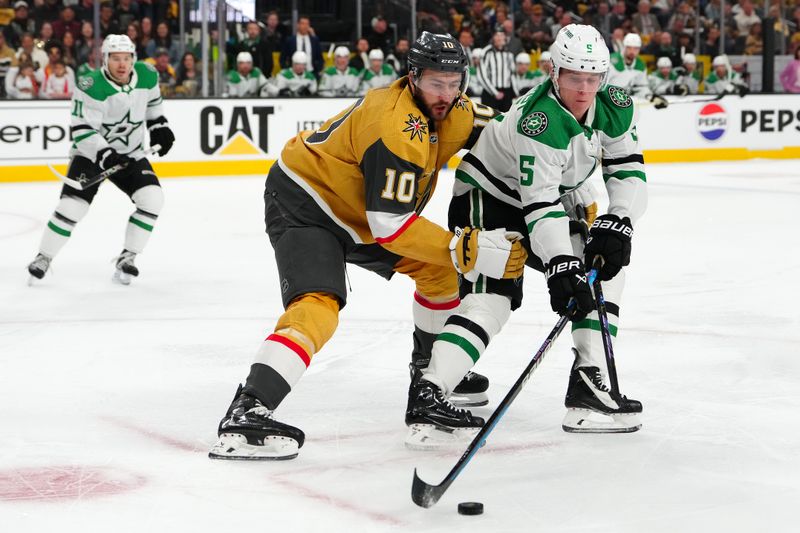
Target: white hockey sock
[[69, 211], [586, 333], [465, 337], [430, 316], [148, 200]]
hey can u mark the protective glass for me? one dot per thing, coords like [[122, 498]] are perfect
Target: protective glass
[[442, 85], [587, 82]]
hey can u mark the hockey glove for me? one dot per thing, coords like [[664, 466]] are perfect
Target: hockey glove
[[610, 238], [108, 157], [659, 102], [160, 134], [494, 253], [566, 280]]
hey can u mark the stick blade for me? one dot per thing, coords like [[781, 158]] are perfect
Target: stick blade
[[426, 495]]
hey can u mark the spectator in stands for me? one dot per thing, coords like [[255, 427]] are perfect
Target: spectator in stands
[[513, 44], [746, 17], [340, 80], [303, 40], [379, 37], [535, 31], [755, 41], [45, 11], [21, 82], [8, 59], [644, 22], [66, 22], [713, 12], [134, 33], [602, 21], [500, 15], [69, 50], [297, 80], [84, 11], [617, 41], [361, 59], [20, 24], [524, 12], [258, 48], [146, 35], [398, 59], [85, 42], [190, 79], [54, 55], [466, 40], [661, 46], [685, 43], [563, 21], [167, 80], [433, 16], [37, 56], [147, 8], [247, 81], [790, 76], [662, 9], [781, 26], [163, 39], [127, 12], [273, 34], [684, 17], [379, 74], [618, 16], [710, 46], [108, 24], [92, 63], [45, 35], [477, 21], [60, 84]]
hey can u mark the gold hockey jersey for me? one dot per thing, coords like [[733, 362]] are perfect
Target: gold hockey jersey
[[373, 167]]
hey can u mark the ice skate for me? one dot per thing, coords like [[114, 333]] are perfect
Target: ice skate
[[433, 422], [248, 432], [470, 392], [38, 268], [126, 270], [593, 408]]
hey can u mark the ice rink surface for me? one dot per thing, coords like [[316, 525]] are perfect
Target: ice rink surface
[[110, 396]]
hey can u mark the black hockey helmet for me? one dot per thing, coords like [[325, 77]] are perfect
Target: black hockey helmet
[[437, 51]]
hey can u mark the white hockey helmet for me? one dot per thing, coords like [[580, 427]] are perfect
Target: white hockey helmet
[[580, 48], [632, 40], [544, 56], [523, 58], [299, 57], [689, 59], [117, 43], [341, 51], [664, 62], [376, 53], [720, 61], [244, 57]]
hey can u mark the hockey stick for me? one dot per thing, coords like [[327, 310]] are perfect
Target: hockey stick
[[82, 182], [425, 494], [701, 100], [600, 303]]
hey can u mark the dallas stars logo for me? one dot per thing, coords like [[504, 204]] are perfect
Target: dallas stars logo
[[619, 96], [416, 127], [534, 124], [121, 130]]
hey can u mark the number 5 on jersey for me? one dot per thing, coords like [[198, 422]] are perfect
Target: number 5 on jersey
[[401, 189], [526, 163]]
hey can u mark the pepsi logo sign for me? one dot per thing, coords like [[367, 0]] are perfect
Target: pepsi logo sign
[[712, 121]]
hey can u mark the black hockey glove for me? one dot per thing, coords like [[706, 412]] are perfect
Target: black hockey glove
[[566, 280], [304, 91], [160, 134], [285, 93], [610, 238], [659, 102], [108, 157]]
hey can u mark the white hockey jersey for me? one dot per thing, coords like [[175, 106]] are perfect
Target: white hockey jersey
[[660, 84], [537, 153], [250, 86], [337, 83], [632, 78], [371, 80], [107, 114]]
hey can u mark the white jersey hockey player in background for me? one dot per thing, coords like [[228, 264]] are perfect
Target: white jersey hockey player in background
[[296, 80], [247, 81], [112, 109], [340, 80], [529, 173], [662, 81], [688, 77], [377, 74], [627, 68], [474, 87], [723, 79], [525, 78]]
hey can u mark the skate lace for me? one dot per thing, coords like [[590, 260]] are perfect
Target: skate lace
[[440, 398], [260, 410], [125, 258], [41, 262]]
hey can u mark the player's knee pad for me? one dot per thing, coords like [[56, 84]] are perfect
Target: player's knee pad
[[311, 318], [489, 311], [72, 208], [149, 199]]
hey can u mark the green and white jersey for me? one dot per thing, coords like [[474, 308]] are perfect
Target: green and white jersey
[[250, 86], [632, 78], [527, 81], [660, 84], [536, 156], [341, 83], [106, 114], [373, 80], [296, 84], [691, 80], [720, 85], [474, 86]]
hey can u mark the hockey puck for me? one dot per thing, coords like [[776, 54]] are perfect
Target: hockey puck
[[470, 508]]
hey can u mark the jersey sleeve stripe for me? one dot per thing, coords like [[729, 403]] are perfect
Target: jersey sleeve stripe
[[475, 163], [633, 158], [530, 208], [551, 214], [623, 174], [387, 221], [75, 129]]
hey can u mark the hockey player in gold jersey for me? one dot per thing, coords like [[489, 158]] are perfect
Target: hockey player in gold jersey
[[352, 192]]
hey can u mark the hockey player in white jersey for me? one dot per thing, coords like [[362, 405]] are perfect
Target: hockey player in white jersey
[[688, 77], [662, 81], [524, 77], [723, 79], [112, 109], [340, 80], [529, 173], [247, 81], [377, 74], [474, 87], [627, 68], [296, 80]]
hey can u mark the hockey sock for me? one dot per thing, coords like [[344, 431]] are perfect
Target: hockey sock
[[429, 319], [149, 200], [307, 324], [586, 333], [465, 337], [69, 211]]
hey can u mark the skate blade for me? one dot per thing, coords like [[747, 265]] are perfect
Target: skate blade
[[477, 399], [235, 447], [430, 437], [121, 278], [588, 421]]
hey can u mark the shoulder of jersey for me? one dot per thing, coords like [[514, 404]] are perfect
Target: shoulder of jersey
[[543, 120], [94, 84], [146, 75], [331, 71], [613, 111], [404, 128], [286, 73]]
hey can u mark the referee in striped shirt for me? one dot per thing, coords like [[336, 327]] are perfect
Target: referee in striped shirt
[[496, 73]]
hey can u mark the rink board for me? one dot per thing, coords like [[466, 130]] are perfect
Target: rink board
[[219, 137]]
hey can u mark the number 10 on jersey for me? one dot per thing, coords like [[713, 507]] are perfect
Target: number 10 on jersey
[[401, 189]]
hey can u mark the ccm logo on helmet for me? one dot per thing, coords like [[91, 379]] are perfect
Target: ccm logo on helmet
[[613, 226]]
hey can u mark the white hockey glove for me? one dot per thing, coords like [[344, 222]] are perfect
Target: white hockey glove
[[494, 253]]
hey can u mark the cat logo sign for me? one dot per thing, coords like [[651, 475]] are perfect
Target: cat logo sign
[[239, 130]]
